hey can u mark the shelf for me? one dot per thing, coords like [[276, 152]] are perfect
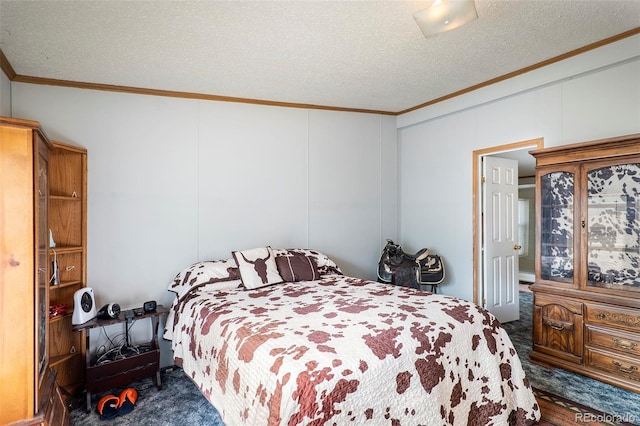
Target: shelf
[[622, 206], [615, 249], [60, 359], [64, 284], [123, 371], [556, 245], [556, 206], [68, 225], [64, 198], [62, 317], [65, 249], [97, 322]]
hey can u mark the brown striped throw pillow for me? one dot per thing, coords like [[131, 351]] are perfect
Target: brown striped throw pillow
[[297, 268]]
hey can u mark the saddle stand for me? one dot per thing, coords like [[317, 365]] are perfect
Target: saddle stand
[[410, 270]]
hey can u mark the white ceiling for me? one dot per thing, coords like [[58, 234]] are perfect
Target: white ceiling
[[348, 54]]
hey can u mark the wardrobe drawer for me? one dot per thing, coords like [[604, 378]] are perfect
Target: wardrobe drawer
[[615, 340], [574, 306], [558, 328], [613, 316], [619, 365]]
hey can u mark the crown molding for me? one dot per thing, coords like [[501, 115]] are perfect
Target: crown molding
[[6, 67], [11, 74], [185, 95], [525, 70]]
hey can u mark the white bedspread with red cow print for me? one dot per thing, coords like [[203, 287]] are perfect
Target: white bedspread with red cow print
[[346, 351]]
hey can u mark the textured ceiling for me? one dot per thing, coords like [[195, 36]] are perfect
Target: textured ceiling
[[349, 54]]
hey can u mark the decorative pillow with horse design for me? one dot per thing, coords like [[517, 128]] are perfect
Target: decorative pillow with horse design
[[257, 267]]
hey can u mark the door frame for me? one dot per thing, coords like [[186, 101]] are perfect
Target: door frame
[[478, 230]]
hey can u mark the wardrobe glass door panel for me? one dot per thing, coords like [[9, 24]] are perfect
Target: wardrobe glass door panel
[[557, 249], [613, 227], [42, 270]]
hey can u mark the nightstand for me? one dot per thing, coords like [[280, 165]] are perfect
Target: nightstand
[[141, 363]]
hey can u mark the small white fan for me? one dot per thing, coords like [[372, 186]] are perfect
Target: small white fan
[[84, 306]]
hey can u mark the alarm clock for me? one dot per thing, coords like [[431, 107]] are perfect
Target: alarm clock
[[84, 306], [149, 306]]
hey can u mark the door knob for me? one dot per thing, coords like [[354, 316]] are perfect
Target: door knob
[[517, 247]]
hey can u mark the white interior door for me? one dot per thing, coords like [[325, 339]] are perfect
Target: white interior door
[[500, 238]]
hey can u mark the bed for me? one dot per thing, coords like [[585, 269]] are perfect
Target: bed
[[312, 346]]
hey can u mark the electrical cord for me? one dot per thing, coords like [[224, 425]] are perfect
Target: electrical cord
[[119, 352], [119, 347]]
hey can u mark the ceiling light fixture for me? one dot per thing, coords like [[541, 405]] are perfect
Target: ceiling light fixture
[[445, 15]]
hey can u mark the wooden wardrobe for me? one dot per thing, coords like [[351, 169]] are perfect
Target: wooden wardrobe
[[586, 316], [28, 389]]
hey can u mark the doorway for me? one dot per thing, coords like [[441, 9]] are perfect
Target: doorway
[[526, 163]]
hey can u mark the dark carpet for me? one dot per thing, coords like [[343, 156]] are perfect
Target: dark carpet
[[181, 403], [620, 405]]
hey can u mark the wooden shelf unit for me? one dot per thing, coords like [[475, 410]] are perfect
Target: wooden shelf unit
[[28, 388], [68, 225]]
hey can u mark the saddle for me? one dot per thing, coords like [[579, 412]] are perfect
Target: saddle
[[410, 270]]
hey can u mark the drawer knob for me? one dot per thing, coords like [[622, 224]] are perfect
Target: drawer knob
[[601, 316], [624, 368], [624, 344]]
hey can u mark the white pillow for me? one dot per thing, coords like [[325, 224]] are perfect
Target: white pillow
[[257, 267], [222, 273]]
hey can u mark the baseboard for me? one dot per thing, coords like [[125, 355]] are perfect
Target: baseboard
[[527, 277]]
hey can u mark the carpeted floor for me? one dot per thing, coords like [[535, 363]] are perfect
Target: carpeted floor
[[621, 405], [181, 403]]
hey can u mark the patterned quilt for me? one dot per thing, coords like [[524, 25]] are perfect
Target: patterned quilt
[[342, 350]]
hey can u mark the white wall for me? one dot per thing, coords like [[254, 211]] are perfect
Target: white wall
[[591, 96], [174, 181], [5, 95]]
